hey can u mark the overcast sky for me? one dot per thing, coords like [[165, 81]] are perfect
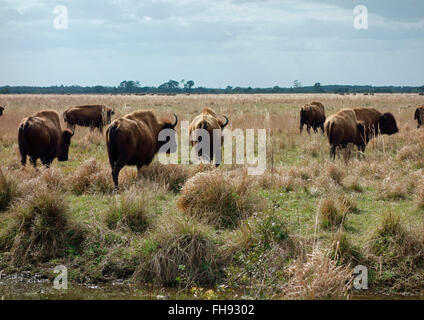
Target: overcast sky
[[258, 43]]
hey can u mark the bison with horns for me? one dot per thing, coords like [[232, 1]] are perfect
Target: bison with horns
[[93, 116], [40, 136], [134, 140], [209, 121]]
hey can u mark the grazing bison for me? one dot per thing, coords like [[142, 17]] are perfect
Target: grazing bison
[[377, 122], [1, 110], [343, 128], [312, 115], [419, 116], [93, 116], [209, 121], [134, 140], [40, 136]]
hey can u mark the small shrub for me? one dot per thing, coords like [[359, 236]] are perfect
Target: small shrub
[[341, 248]]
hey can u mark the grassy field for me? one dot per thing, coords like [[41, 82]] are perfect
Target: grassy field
[[296, 232]]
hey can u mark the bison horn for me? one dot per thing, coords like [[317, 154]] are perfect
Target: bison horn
[[176, 121], [73, 132], [226, 122]]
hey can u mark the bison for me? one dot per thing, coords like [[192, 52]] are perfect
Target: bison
[[207, 120], [419, 116], [1, 110], [93, 116], [134, 140], [313, 116], [343, 128], [377, 122], [40, 136]]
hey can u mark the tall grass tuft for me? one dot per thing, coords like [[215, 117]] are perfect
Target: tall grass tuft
[[183, 253], [90, 177], [8, 189], [331, 214], [317, 277], [129, 211], [219, 198], [42, 229]]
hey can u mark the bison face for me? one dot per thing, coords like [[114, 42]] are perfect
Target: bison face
[[388, 124], [64, 145]]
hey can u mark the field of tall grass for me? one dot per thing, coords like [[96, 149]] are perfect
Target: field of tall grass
[[295, 232]]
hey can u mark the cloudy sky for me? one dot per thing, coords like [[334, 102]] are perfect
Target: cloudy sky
[[258, 43]]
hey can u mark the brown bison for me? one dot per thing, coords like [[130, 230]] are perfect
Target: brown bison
[[134, 140], [377, 122], [313, 116], [1, 110], [419, 116], [343, 128], [93, 116], [208, 120], [40, 136]]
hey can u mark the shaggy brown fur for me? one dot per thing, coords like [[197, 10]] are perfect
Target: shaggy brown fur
[[41, 137]]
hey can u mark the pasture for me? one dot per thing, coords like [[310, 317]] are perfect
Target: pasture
[[295, 232]]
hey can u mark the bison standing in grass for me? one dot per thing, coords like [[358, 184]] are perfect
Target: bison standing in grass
[[1, 110], [377, 122], [134, 140], [344, 128], [313, 116], [40, 136], [419, 116], [208, 120], [93, 116]]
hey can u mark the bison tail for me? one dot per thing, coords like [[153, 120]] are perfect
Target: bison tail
[[112, 141]]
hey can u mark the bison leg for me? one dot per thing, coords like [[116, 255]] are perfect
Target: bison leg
[[301, 128], [33, 161], [333, 153], [23, 159], [100, 129], [308, 128], [117, 167], [322, 128]]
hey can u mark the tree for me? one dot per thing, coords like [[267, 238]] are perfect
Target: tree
[[297, 84], [129, 86], [318, 88], [189, 84], [171, 85]]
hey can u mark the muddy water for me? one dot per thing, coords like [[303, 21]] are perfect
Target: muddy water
[[19, 287]]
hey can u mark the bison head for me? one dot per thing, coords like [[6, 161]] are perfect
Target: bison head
[[388, 124], [64, 145], [168, 131], [1, 110]]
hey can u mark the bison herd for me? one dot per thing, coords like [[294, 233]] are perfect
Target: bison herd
[[134, 139], [349, 126]]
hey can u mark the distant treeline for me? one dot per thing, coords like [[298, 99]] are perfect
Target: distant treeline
[[175, 87]]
